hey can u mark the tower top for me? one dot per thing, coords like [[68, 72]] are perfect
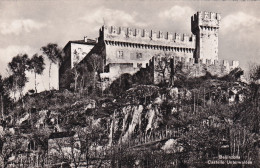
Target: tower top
[[205, 19]]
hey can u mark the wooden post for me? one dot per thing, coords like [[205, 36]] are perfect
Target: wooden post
[[194, 106], [204, 97]]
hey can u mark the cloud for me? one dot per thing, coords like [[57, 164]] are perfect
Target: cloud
[[112, 17], [19, 26], [6, 55], [239, 38], [177, 13], [177, 17], [239, 21]]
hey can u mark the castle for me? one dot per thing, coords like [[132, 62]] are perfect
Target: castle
[[127, 50]]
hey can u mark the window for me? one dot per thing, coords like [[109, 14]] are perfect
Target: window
[[139, 65], [139, 55], [120, 54]]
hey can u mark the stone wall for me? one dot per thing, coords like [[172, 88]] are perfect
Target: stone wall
[[162, 69], [115, 70]]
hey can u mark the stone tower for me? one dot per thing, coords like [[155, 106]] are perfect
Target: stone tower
[[205, 25]]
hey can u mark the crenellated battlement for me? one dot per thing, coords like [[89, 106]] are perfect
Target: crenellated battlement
[[225, 63], [190, 61], [176, 60], [208, 15], [192, 69], [135, 32], [150, 63], [144, 36], [205, 20]]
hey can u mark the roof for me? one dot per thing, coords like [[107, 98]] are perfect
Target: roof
[[88, 42]]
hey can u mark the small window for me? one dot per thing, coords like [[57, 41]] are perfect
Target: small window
[[139, 65], [139, 55], [206, 16], [120, 54]]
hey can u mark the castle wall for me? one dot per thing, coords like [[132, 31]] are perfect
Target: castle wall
[[117, 69], [127, 45], [138, 56], [214, 67], [163, 70]]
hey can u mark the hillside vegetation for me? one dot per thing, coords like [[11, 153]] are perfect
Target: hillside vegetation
[[135, 125]]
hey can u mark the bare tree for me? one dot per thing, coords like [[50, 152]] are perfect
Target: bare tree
[[162, 66], [2, 92], [4, 95], [54, 54], [36, 64], [83, 76], [95, 64]]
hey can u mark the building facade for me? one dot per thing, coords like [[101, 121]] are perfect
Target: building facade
[[74, 52]]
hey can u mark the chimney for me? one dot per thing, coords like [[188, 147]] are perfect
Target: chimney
[[85, 38]]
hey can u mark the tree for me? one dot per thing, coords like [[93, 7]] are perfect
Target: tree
[[254, 73], [41, 135], [81, 73], [80, 144], [165, 67], [95, 65], [54, 54], [10, 84], [18, 66], [75, 69], [2, 92], [36, 64], [4, 95], [10, 145], [121, 84]]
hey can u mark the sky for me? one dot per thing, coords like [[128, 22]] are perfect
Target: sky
[[27, 25]]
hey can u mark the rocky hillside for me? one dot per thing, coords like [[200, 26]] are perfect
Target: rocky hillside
[[141, 116]]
